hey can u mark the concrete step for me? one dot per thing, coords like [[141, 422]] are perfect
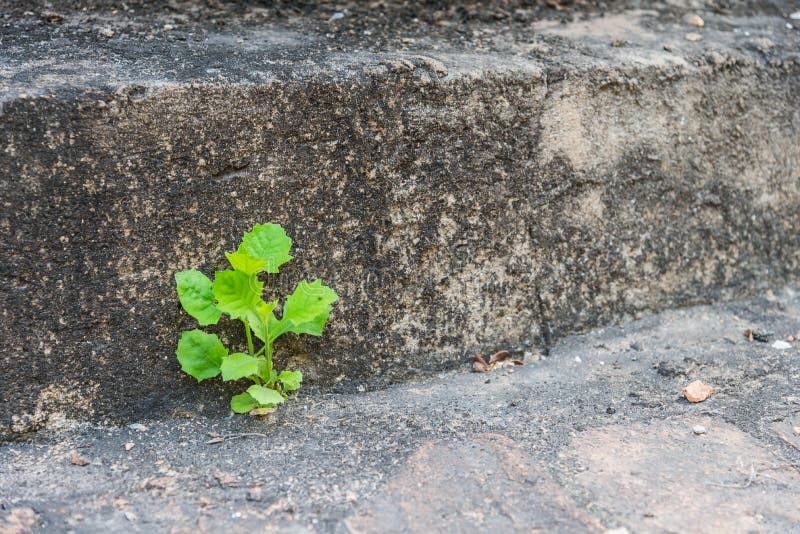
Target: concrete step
[[594, 437], [464, 184]]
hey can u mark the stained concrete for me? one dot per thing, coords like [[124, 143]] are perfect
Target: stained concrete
[[596, 436], [464, 183]]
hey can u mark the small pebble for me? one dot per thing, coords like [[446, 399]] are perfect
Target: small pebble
[[781, 345], [76, 459], [129, 445], [694, 37], [139, 427], [106, 32], [578, 359], [715, 58], [699, 429], [168, 27], [795, 15], [762, 44], [695, 20]]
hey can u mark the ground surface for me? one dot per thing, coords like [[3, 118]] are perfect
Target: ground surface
[[71, 48], [464, 176], [595, 436]]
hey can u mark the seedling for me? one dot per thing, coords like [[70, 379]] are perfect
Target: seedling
[[237, 293]]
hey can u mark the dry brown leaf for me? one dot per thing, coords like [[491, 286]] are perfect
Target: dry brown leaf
[[697, 391], [262, 411], [499, 357]]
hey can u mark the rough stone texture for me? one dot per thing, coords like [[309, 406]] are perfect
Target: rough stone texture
[[708, 474], [593, 437], [479, 185], [489, 482]]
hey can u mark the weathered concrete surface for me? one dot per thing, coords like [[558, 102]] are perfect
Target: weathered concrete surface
[[595, 436], [464, 184]]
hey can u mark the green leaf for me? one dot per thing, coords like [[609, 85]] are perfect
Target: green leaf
[[237, 292], [265, 396], [269, 377], [290, 379], [238, 365], [243, 403], [200, 354], [194, 292], [306, 310], [260, 315], [269, 243], [245, 263]]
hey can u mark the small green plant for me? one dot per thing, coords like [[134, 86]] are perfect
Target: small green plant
[[237, 293]]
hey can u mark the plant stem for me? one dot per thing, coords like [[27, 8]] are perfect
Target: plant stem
[[268, 352], [268, 357], [249, 338]]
